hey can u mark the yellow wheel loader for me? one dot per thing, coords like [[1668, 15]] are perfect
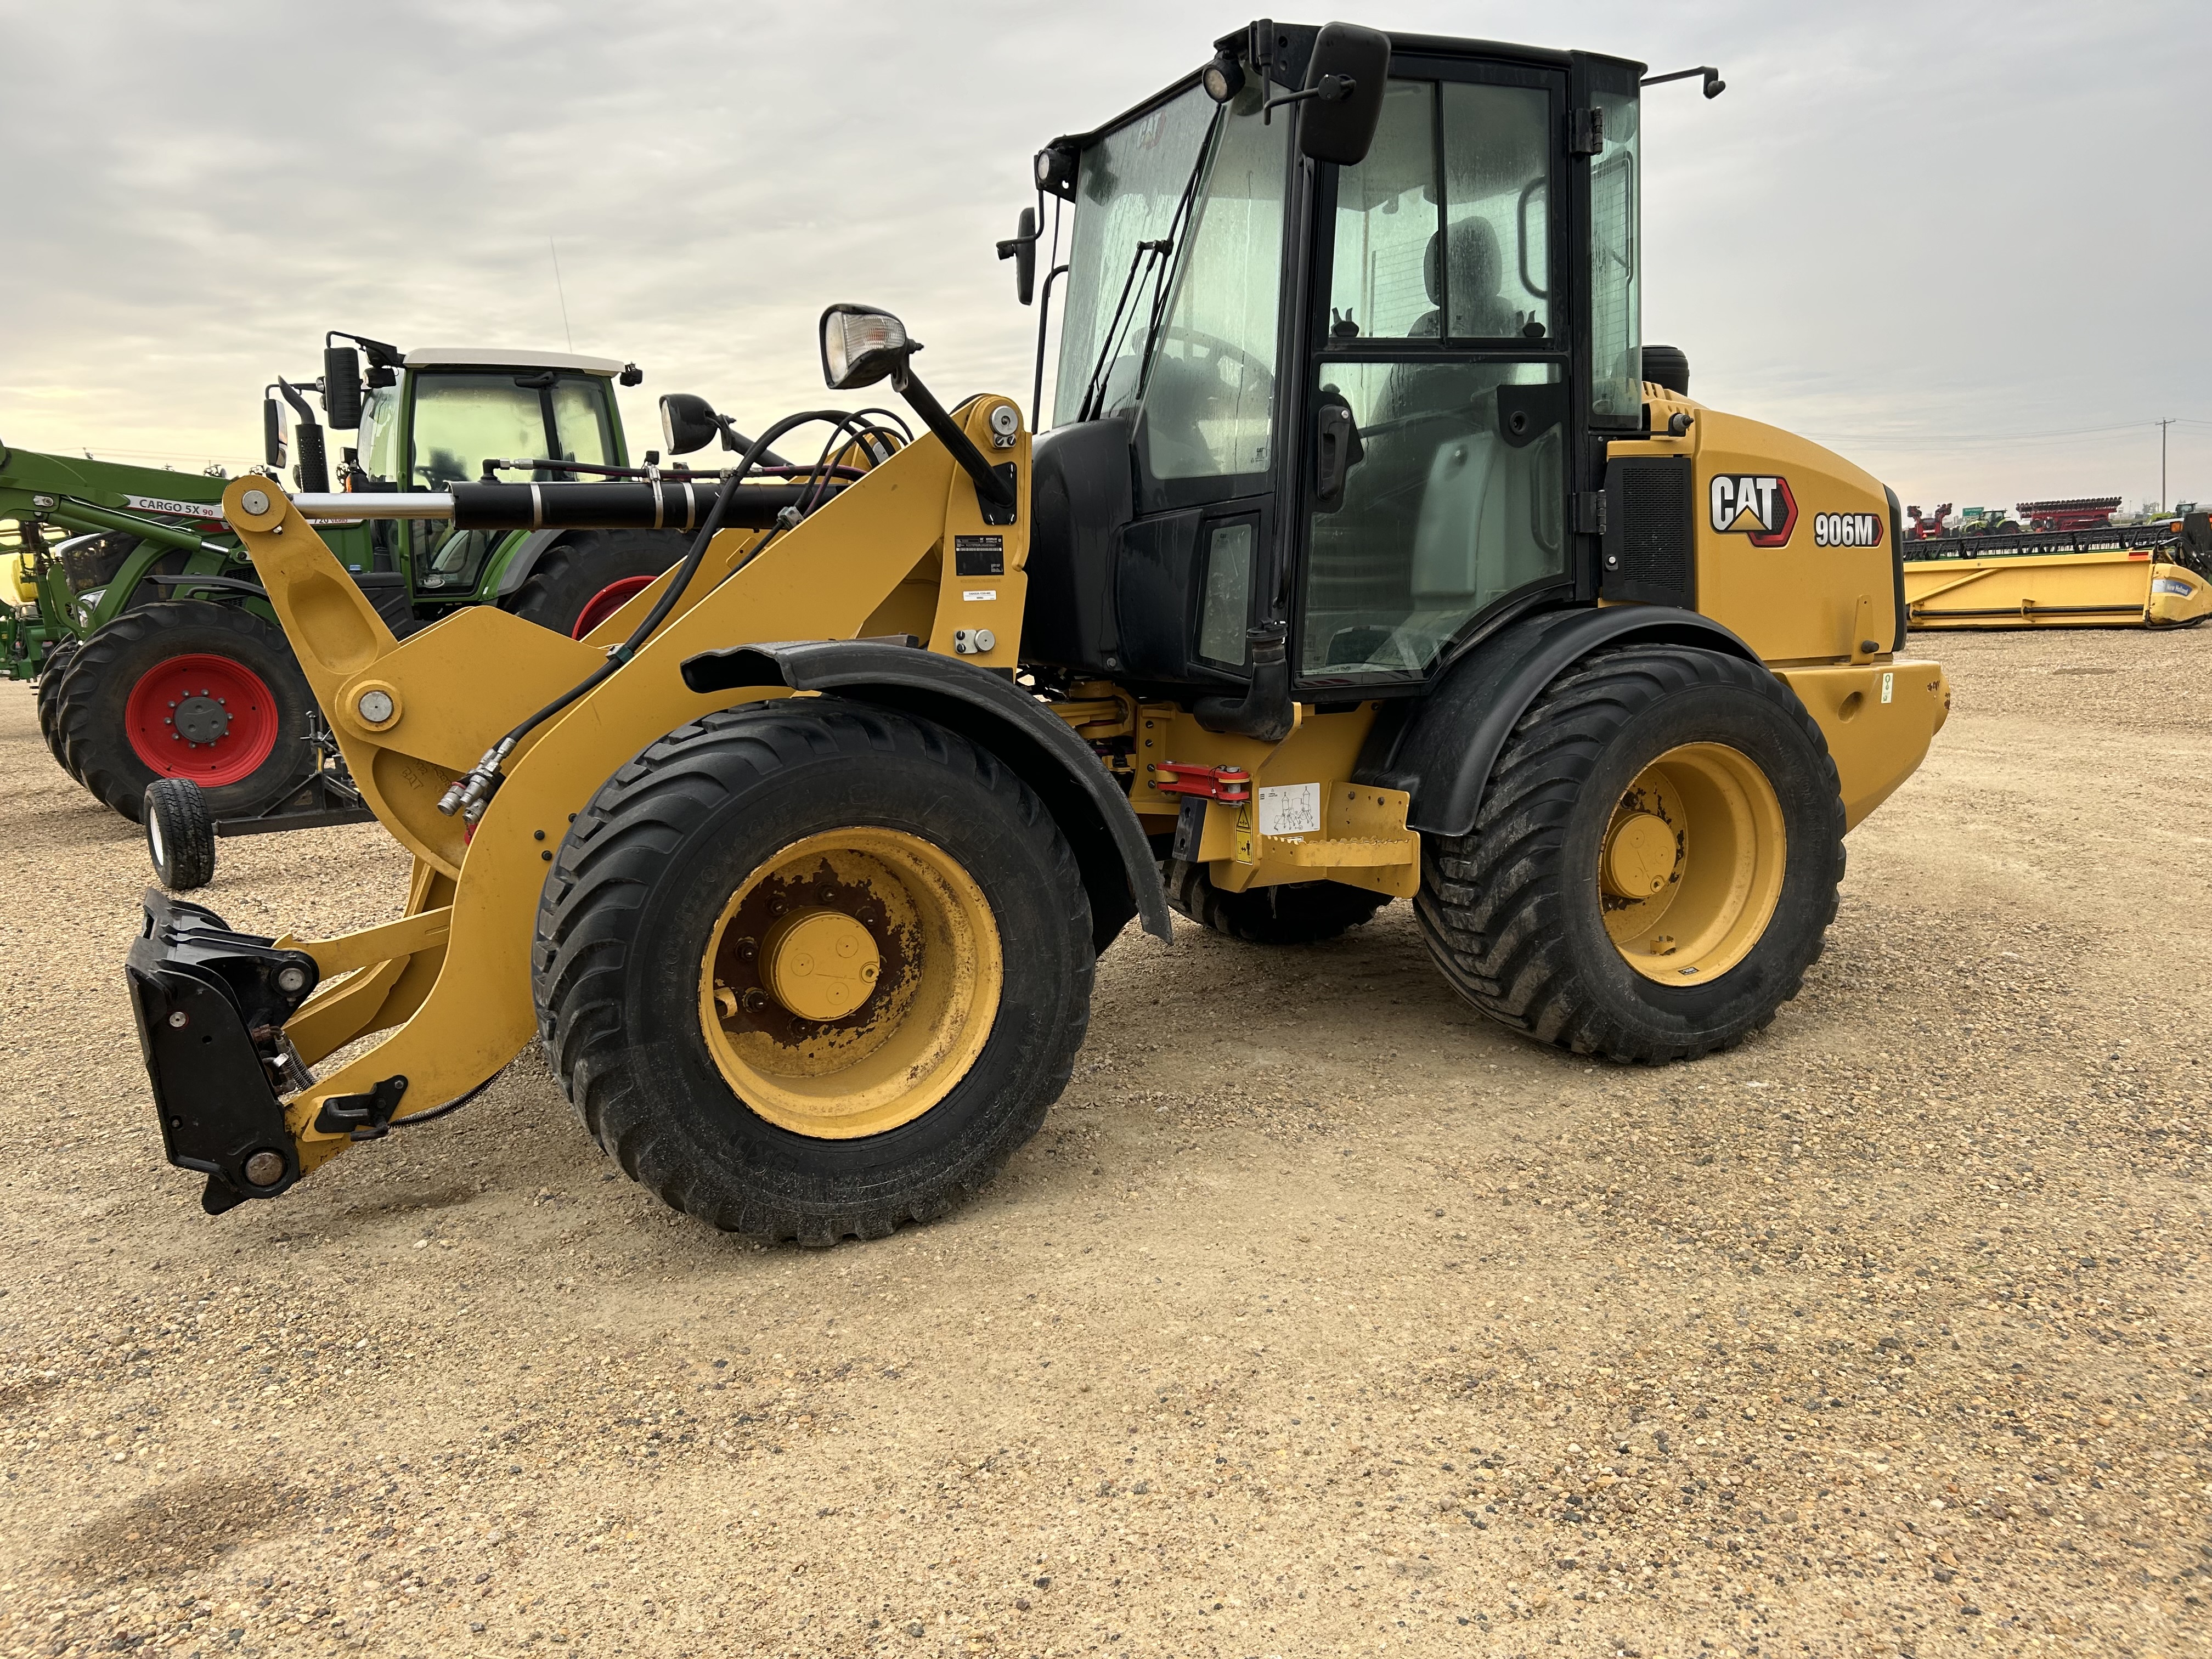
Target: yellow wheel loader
[[1361, 562]]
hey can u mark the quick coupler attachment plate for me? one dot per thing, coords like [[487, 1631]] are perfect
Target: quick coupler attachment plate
[[211, 1006]]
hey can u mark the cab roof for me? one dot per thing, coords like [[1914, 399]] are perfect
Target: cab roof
[[507, 357]]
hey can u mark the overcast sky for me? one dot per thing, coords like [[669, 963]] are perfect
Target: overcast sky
[[1968, 245]]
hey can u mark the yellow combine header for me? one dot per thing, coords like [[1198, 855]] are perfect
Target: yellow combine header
[[2118, 587]]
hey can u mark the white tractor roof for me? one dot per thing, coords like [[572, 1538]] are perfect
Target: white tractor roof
[[506, 357]]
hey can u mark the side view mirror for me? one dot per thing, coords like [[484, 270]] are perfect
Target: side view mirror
[[1021, 248], [688, 423], [342, 387], [272, 430], [860, 346], [1343, 94]]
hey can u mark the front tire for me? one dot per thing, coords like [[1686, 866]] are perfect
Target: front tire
[[1655, 861], [702, 966], [186, 689]]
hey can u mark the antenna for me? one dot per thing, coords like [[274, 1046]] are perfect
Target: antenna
[[561, 289]]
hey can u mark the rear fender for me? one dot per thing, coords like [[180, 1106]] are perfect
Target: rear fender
[[1118, 868], [1442, 750]]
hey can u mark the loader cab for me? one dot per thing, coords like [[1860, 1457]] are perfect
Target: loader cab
[[1355, 400]]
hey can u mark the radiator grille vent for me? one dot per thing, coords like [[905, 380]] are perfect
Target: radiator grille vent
[[1650, 536]]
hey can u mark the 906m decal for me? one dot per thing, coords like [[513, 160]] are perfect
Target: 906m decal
[[1847, 530]]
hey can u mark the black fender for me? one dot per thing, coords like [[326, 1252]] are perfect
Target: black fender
[[1442, 750], [1119, 871], [523, 560]]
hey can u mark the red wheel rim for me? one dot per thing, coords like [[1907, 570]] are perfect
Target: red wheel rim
[[608, 600], [209, 719]]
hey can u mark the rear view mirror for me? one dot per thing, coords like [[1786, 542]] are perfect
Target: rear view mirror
[[1021, 248], [687, 423], [272, 431], [1343, 94], [342, 387]]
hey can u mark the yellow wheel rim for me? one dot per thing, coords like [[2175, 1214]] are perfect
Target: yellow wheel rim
[[850, 983], [1691, 867]]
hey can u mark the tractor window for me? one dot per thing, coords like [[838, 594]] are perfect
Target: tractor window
[[1210, 394], [581, 428], [462, 420], [1498, 202], [1455, 501], [1386, 219], [1616, 354], [1130, 184]]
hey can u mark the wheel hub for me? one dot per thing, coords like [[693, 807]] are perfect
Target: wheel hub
[[1691, 867], [200, 718], [1641, 855], [850, 981], [821, 964]]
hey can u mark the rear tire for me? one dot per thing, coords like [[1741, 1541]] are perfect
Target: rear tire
[[1516, 914], [1299, 913], [179, 834], [645, 926], [113, 721], [562, 586], [49, 684]]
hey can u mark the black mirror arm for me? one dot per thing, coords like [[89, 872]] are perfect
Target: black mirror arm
[[1333, 89], [1714, 85], [990, 486]]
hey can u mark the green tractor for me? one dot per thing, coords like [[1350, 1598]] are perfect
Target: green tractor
[[157, 655]]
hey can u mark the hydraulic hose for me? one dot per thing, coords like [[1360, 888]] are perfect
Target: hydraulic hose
[[471, 794]]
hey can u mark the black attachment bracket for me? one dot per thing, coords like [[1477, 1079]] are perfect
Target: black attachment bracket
[[365, 1117], [1585, 131]]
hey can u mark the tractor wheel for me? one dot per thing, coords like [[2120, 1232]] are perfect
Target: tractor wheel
[[1299, 913], [581, 582], [49, 685], [813, 970], [1654, 864], [185, 690], [179, 834]]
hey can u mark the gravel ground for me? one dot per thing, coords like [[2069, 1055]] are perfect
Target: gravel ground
[[1322, 1317]]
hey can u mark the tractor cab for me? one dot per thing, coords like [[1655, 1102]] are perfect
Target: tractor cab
[[1337, 389]]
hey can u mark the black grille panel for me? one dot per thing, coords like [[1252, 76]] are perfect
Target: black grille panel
[[1650, 533]]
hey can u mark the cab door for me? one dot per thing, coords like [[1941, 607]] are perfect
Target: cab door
[[1437, 378]]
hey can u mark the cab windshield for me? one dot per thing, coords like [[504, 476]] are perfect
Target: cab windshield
[[1128, 192], [465, 417]]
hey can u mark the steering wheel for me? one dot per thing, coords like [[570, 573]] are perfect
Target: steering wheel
[[1211, 350]]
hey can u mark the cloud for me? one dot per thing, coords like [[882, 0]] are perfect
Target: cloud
[[1910, 231]]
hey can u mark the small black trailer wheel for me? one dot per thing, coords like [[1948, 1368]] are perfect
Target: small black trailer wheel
[[179, 834]]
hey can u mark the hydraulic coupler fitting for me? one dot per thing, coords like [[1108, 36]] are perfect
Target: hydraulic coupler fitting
[[470, 795]]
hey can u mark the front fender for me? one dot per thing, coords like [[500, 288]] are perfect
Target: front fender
[[1119, 871], [1442, 752]]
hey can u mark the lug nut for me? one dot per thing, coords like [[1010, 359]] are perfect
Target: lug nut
[[264, 1169]]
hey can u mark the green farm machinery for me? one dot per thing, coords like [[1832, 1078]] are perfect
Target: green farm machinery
[[157, 653]]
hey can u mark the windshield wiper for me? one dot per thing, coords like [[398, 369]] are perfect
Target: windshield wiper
[[1094, 390]]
